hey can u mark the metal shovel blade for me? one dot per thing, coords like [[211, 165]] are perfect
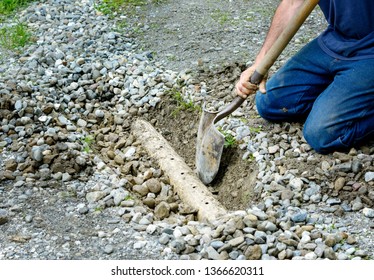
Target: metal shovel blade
[[210, 141], [209, 147]]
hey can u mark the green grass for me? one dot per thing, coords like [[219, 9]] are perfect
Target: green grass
[[7, 7], [15, 36], [221, 17], [112, 7]]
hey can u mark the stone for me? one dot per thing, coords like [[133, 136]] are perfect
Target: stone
[[368, 212], [118, 196], [296, 184], [108, 249], [253, 252], [95, 196], [153, 185], [339, 184], [141, 189], [330, 240], [299, 216], [369, 176], [37, 153], [330, 254], [162, 210], [3, 216]]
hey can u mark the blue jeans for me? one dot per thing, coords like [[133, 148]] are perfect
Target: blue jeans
[[334, 97]]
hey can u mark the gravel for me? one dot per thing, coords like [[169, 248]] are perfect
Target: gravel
[[76, 184]]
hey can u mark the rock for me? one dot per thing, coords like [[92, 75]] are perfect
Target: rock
[[369, 176], [287, 194], [37, 153], [299, 216], [356, 166], [330, 240], [311, 256], [236, 241], [118, 195], [253, 252], [273, 149], [3, 216], [368, 212], [296, 184], [339, 184], [153, 185], [108, 249], [162, 210], [330, 254], [95, 196], [141, 189]]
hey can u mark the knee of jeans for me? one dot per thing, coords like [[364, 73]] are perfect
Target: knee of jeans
[[264, 107], [317, 137]]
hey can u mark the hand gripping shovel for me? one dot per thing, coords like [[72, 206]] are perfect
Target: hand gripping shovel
[[210, 141]]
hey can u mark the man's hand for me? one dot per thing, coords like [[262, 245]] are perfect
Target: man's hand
[[244, 87]]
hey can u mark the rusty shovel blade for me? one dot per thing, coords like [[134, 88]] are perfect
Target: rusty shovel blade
[[209, 148], [210, 141]]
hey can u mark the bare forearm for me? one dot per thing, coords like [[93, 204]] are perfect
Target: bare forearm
[[284, 12]]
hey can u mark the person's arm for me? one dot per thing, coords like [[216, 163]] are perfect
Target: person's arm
[[284, 12]]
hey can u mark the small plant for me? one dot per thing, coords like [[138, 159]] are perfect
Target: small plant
[[128, 197], [256, 129], [15, 36], [183, 105], [230, 141], [87, 143]]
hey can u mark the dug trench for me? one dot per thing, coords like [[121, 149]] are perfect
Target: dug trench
[[234, 184]]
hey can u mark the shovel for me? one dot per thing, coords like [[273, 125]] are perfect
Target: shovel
[[210, 141]]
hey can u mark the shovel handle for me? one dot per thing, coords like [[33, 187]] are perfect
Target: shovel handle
[[256, 78], [272, 54]]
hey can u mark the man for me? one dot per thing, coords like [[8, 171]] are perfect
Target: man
[[329, 83]]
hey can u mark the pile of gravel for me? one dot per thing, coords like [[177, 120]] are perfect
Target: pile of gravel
[[76, 184]]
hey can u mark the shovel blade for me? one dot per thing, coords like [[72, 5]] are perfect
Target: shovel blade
[[209, 148]]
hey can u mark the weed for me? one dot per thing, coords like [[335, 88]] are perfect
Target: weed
[[230, 141], [128, 197], [182, 104], [15, 36], [256, 129], [87, 143]]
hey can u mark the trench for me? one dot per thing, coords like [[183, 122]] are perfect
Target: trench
[[234, 184]]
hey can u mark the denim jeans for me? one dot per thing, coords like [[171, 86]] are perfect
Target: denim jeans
[[334, 97]]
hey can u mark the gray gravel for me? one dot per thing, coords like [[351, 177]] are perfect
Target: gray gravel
[[76, 184]]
